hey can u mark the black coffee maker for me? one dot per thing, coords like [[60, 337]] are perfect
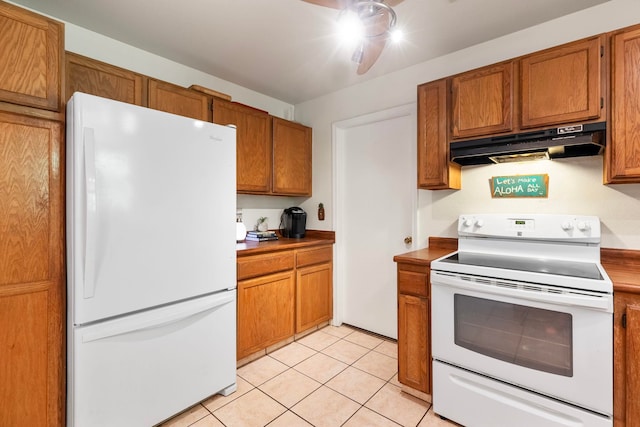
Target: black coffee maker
[[293, 222]]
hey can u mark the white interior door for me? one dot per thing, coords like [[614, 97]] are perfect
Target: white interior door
[[375, 211]]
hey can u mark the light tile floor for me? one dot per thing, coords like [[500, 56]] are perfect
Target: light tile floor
[[337, 376]]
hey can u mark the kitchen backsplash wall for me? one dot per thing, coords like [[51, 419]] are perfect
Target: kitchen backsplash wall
[[575, 187], [271, 207], [250, 218]]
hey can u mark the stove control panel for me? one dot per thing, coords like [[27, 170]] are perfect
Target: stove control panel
[[576, 228]]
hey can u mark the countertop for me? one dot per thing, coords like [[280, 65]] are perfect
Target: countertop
[[312, 238], [622, 265], [438, 246]]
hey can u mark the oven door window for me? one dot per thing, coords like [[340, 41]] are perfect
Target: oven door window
[[526, 336]]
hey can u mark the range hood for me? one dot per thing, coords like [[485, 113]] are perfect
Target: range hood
[[568, 141]]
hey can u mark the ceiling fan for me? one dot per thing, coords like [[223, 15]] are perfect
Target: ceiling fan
[[378, 19]]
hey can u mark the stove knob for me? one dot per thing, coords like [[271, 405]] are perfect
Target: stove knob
[[567, 226], [583, 226], [468, 222], [479, 223]]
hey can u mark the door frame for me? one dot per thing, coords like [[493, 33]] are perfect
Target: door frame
[[338, 140]]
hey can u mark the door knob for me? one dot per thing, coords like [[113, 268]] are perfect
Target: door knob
[[408, 240]]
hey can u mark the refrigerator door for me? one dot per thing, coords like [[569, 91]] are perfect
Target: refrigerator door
[[151, 202], [141, 369]]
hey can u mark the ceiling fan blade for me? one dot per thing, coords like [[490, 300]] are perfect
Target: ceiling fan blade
[[372, 51], [377, 28], [333, 4]]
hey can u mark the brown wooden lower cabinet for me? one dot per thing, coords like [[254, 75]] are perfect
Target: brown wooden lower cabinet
[[414, 362], [414, 327], [626, 359], [314, 296], [282, 293], [265, 311]]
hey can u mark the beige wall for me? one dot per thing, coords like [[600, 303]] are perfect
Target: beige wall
[[575, 184]]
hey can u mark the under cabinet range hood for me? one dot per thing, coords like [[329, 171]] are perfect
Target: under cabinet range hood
[[567, 141]]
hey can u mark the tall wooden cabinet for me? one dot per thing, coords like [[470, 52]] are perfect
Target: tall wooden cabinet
[[623, 151], [435, 171], [32, 287]]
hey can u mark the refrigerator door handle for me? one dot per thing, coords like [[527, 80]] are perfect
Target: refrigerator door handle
[[158, 317], [90, 213]]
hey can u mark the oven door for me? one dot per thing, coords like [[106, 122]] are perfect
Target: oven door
[[546, 339]]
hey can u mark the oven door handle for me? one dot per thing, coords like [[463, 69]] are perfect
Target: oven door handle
[[602, 302]]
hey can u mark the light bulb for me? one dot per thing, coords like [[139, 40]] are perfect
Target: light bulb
[[396, 35], [350, 29]]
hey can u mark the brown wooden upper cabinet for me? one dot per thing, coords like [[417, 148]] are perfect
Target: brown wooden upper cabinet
[[482, 101], [31, 57], [94, 77], [435, 172], [291, 158], [253, 144], [273, 155], [562, 84], [623, 152], [175, 99]]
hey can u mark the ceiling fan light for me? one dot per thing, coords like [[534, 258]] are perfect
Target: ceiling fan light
[[396, 35], [350, 28]]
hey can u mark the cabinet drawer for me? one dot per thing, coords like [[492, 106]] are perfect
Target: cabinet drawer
[[413, 279], [259, 265], [314, 256]]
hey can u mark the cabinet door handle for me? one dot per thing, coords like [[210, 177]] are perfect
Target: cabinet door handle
[[624, 320]]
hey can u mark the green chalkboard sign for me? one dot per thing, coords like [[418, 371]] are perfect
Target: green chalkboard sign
[[520, 186]]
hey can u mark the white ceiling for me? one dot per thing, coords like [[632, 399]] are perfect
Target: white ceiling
[[286, 48]]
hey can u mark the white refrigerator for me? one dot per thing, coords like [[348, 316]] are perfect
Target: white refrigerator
[[151, 265]]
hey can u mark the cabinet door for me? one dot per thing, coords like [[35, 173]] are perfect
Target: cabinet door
[[483, 101], [623, 152], [97, 78], [562, 85], [253, 144], [414, 352], [178, 100], [626, 360], [265, 311], [291, 158], [435, 171], [314, 296], [31, 272], [31, 56]]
